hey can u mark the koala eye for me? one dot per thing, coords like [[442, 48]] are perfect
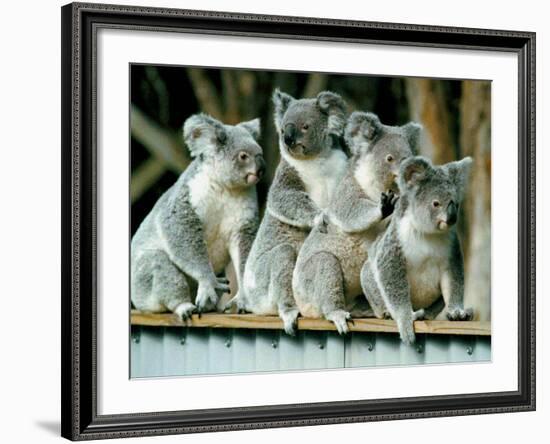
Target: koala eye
[[243, 156], [305, 126], [436, 203], [389, 158]]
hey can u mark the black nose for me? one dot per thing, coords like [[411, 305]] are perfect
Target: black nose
[[452, 213], [289, 135]]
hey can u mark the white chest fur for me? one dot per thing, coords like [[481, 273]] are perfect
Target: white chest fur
[[221, 212], [321, 175], [365, 176], [427, 260]]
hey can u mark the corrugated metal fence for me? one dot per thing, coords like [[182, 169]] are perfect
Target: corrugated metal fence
[[181, 351]]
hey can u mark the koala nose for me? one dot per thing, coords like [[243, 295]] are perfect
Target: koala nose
[[289, 135], [452, 213]]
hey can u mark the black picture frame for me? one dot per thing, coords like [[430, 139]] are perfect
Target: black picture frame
[[79, 170]]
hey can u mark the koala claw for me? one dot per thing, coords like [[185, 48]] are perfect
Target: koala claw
[[460, 314], [387, 203], [222, 279], [185, 310], [340, 319], [222, 285]]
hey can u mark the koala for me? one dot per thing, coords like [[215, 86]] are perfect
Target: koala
[[326, 279], [312, 164], [415, 268], [207, 218]]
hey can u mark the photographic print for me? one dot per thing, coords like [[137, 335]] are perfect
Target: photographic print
[[256, 206], [285, 221]]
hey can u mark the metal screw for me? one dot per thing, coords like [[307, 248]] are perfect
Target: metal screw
[[228, 343], [470, 350], [321, 346], [182, 341], [274, 343], [419, 348], [370, 346], [135, 339]]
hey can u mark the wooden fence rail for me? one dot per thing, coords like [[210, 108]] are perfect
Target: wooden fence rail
[[220, 320]]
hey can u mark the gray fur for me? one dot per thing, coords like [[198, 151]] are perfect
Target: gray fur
[[326, 279], [311, 165], [415, 268], [208, 217]]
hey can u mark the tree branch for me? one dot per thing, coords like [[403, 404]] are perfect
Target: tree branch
[[206, 93], [145, 176], [160, 142]]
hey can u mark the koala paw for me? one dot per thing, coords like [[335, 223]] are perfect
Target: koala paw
[[185, 310], [208, 293], [380, 313], [460, 314], [290, 320], [340, 319], [406, 331], [222, 285], [236, 302], [419, 315], [387, 203]]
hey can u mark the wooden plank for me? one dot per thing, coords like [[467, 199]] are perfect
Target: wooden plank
[[222, 320]]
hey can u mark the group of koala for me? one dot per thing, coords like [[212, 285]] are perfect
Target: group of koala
[[326, 246]]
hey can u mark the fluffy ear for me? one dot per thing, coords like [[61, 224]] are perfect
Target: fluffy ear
[[459, 171], [253, 127], [365, 126], [412, 171], [334, 106], [203, 134], [281, 101], [412, 133]]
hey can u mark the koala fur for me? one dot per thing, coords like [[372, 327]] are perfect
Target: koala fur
[[312, 163], [209, 216], [415, 268], [326, 279]]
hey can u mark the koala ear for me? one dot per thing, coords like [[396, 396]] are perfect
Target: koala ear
[[253, 127], [363, 126], [281, 101], [203, 134], [412, 171], [412, 133], [459, 171], [334, 106]]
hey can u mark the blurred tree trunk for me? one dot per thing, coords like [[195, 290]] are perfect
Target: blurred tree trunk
[[428, 105], [206, 92], [475, 140]]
